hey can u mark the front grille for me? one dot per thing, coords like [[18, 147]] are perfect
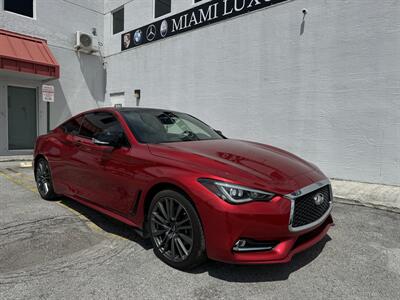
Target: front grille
[[307, 211]]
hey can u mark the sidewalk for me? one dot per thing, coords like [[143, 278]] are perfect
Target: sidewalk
[[17, 158], [380, 196]]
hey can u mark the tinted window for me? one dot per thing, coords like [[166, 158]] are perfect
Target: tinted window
[[101, 122], [158, 126], [161, 7], [72, 126], [21, 7], [118, 20]]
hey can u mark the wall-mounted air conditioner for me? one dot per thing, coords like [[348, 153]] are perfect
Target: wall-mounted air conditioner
[[86, 42]]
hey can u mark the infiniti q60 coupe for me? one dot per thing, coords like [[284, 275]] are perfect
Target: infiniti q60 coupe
[[195, 193]]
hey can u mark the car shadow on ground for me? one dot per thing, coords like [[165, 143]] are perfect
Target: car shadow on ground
[[222, 271], [108, 224]]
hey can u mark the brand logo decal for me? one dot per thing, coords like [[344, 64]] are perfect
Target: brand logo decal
[[127, 39], [164, 28], [137, 37], [151, 32]]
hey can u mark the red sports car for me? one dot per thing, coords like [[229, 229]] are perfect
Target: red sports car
[[191, 190]]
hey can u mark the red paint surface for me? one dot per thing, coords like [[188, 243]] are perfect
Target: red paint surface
[[21, 53], [118, 182]]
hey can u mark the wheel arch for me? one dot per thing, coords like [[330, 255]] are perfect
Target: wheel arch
[[162, 186]]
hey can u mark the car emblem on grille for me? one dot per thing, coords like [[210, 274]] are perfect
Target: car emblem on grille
[[319, 199]]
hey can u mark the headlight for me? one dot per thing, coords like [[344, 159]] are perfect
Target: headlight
[[235, 194]]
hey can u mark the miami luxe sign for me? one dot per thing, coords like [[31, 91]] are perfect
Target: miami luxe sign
[[202, 15]]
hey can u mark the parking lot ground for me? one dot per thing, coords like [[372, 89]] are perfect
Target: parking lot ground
[[63, 250]]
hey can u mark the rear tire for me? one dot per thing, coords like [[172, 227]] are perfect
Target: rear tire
[[44, 181], [175, 230]]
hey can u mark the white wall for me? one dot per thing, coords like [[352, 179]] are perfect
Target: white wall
[[330, 95], [82, 77]]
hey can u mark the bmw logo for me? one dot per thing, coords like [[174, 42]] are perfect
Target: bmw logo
[[137, 37], [164, 28], [319, 199]]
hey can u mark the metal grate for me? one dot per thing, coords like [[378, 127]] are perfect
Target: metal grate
[[307, 211]]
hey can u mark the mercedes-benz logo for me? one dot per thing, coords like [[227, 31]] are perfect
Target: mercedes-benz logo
[[319, 199], [164, 28], [151, 32]]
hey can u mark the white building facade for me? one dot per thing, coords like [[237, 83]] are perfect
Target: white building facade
[[323, 83]]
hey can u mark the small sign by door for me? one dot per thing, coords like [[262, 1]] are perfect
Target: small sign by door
[[47, 93]]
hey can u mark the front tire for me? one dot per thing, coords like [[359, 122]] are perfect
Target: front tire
[[175, 230], [44, 180]]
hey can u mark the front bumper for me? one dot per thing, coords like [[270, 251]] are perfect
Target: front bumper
[[224, 224], [285, 249]]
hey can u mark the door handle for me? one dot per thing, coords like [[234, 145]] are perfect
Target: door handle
[[78, 144], [83, 146]]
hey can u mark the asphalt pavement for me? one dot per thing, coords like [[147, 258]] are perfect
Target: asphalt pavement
[[63, 250]]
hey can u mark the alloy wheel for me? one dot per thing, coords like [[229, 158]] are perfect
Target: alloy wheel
[[172, 229], [43, 177]]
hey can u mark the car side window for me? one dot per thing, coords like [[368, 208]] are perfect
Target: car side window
[[72, 126], [101, 122]]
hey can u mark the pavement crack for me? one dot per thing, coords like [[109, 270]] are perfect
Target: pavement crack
[[4, 228]]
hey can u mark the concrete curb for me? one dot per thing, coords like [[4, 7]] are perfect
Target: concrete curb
[[17, 158], [365, 204], [379, 196]]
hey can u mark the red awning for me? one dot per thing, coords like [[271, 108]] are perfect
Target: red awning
[[22, 53]]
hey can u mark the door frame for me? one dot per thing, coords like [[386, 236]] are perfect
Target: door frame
[[41, 112]]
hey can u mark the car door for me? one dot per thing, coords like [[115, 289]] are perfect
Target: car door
[[64, 165], [104, 174]]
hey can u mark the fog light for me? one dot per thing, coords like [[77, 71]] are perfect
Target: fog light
[[247, 245], [240, 243]]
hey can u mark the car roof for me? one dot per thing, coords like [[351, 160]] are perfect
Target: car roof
[[119, 109], [125, 109]]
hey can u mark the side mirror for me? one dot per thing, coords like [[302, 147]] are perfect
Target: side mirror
[[112, 139], [219, 132]]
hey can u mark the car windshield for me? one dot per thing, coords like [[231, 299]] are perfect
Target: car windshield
[[158, 126]]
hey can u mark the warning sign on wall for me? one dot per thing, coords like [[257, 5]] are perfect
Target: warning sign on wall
[[48, 93]]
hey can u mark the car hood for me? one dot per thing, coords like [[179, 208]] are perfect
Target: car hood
[[237, 159]]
